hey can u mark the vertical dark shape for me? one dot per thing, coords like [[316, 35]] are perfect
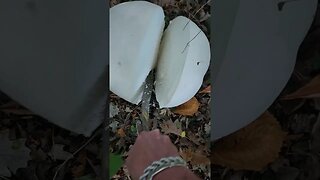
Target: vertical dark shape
[[105, 123], [105, 133]]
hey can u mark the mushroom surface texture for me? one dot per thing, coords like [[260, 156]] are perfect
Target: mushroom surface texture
[[183, 61], [135, 32]]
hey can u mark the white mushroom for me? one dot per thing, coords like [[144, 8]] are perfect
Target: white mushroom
[[183, 61], [135, 32]]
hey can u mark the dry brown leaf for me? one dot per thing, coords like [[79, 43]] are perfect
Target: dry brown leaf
[[252, 147], [164, 3], [204, 17], [79, 167], [121, 132], [310, 90], [195, 158], [194, 138], [113, 2], [206, 90], [189, 108], [186, 154], [169, 127]]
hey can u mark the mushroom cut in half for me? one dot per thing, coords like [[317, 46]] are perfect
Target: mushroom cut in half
[[180, 55]]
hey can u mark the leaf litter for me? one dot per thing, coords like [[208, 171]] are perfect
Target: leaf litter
[[32, 148]]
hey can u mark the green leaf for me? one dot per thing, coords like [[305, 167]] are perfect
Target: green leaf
[[133, 129], [115, 162]]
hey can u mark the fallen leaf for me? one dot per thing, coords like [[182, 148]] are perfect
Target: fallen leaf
[[168, 127], [14, 154], [189, 108], [121, 144], [186, 154], [195, 158], [113, 110], [164, 3], [252, 147], [199, 159], [183, 134], [113, 3], [206, 90], [207, 128], [194, 138], [121, 133], [310, 90], [58, 152], [78, 169], [38, 155], [205, 17], [114, 125], [115, 163]]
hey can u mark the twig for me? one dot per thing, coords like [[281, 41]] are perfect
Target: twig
[[202, 7], [73, 154], [196, 13]]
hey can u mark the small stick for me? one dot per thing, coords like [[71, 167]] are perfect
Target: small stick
[[196, 13], [72, 155]]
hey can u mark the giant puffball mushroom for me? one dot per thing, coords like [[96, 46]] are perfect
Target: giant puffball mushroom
[[254, 57], [184, 60], [135, 32], [136, 29]]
